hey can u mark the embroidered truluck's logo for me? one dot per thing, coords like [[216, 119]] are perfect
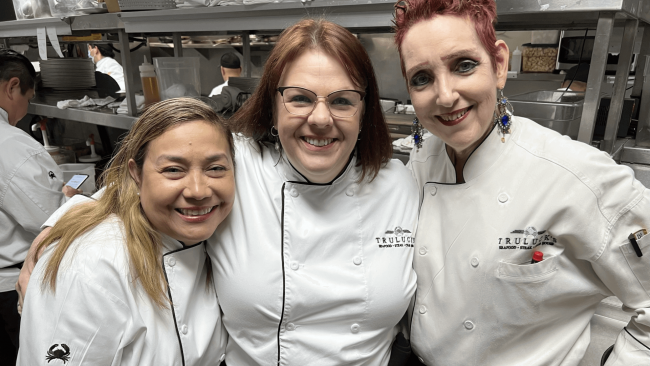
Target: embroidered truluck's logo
[[530, 239], [397, 238], [51, 174], [58, 352]]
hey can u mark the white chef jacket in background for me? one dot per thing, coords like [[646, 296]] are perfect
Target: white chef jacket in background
[[104, 318], [109, 66], [217, 89], [30, 191], [313, 274], [479, 300]]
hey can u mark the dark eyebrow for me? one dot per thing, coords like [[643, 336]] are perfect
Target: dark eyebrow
[[417, 67], [182, 160], [458, 54]]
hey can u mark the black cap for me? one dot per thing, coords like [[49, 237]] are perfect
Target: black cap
[[578, 73], [230, 61]]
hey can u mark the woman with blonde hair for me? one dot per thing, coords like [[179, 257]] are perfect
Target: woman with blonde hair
[[127, 280]]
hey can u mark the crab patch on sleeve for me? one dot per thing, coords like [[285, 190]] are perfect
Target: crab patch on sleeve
[[58, 352]]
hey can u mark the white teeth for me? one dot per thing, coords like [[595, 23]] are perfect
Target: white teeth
[[318, 143], [195, 212], [453, 117]]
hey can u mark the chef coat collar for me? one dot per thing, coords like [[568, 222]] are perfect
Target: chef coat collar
[[171, 245], [4, 116], [487, 153], [291, 174]]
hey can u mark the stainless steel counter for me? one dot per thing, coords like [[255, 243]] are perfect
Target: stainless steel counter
[[44, 104]]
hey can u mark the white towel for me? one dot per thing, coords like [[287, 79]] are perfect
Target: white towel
[[139, 102], [86, 101]]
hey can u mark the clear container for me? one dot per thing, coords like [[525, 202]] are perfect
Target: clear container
[[71, 169], [178, 77], [554, 109], [30, 9], [515, 63], [149, 83], [63, 8]]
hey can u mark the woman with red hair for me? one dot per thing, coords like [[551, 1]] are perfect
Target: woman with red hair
[[522, 232]]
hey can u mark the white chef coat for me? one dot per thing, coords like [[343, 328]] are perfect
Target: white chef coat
[[104, 318], [479, 301], [313, 274], [108, 66], [30, 191], [217, 89]]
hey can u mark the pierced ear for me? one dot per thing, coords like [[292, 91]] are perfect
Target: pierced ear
[[134, 172], [503, 54]]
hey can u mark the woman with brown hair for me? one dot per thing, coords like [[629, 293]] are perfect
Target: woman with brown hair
[[127, 280], [522, 231], [313, 266]]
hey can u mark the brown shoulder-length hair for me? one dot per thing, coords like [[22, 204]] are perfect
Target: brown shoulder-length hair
[[255, 118]]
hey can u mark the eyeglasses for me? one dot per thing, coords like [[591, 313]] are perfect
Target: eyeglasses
[[302, 102]]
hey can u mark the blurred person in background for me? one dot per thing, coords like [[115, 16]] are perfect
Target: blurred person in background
[[104, 59], [30, 190], [230, 67]]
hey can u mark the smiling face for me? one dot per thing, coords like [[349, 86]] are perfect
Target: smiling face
[[451, 79], [187, 184], [318, 145]]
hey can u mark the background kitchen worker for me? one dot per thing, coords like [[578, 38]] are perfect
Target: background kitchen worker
[[494, 189], [129, 282], [576, 78], [30, 190], [230, 67], [104, 59]]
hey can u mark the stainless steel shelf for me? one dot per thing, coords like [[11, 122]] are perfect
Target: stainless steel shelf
[[27, 27], [104, 117], [97, 22], [261, 17], [554, 14]]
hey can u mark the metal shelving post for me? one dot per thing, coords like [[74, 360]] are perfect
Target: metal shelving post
[[620, 83], [596, 75], [128, 76]]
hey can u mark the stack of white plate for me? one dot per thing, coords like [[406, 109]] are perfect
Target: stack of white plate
[[68, 73]]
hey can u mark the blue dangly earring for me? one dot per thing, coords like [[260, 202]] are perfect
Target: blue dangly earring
[[503, 114], [416, 132]]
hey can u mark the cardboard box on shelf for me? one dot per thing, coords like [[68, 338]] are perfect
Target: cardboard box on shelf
[[113, 6]]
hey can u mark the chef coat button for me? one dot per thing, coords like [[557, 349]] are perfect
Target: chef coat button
[[171, 261], [350, 190], [474, 262], [423, 251], [357, 260], [423, 309], [503, 198], [223, 357], [468, 325], [433, 191], [355, 328], [421, 359], [295, 266], [184, 329], [294, 193], [291, 326]]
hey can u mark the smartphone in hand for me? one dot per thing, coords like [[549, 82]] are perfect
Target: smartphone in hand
[[77, 180]]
